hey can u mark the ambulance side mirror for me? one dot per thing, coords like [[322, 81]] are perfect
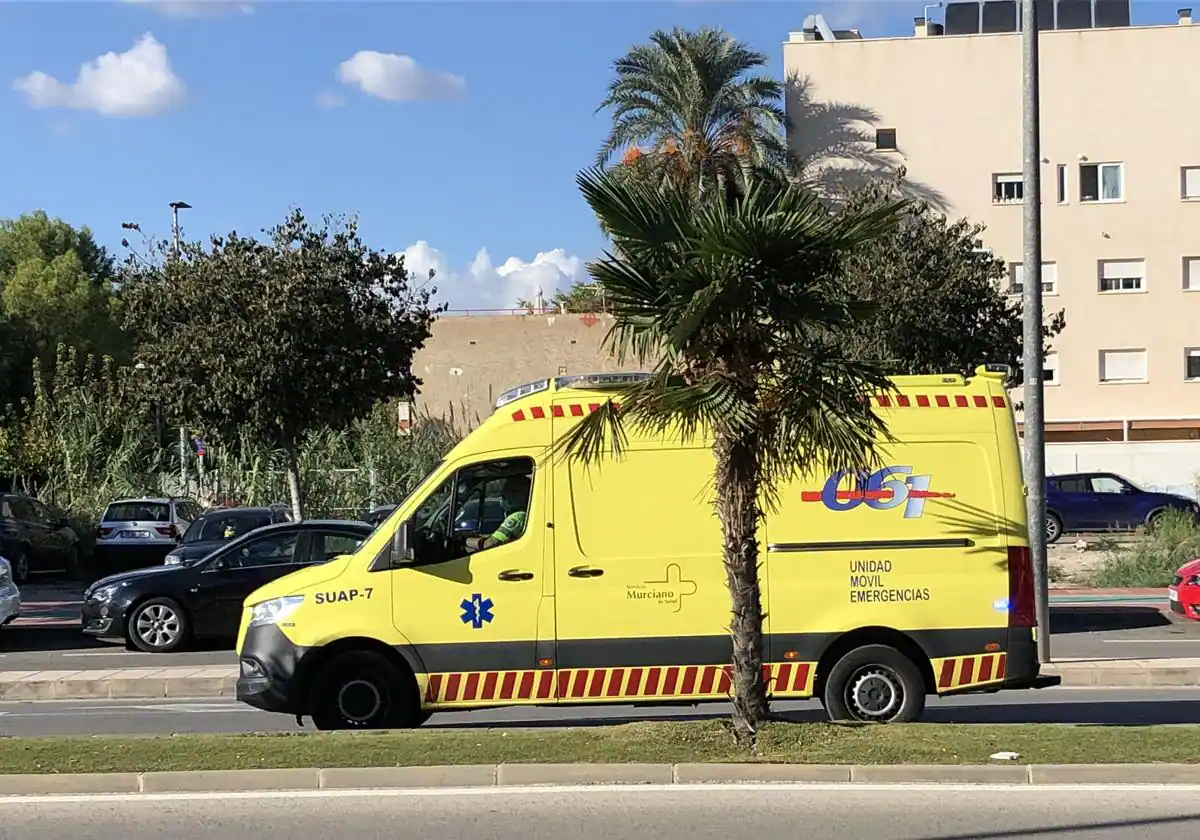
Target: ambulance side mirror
[[402, 552]]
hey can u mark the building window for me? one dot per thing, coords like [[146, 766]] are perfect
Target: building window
[[885, 139], [1016, 278], [1122, 275], [1050, 369], [1062, 184], [1191, 274], [1101, 182], [1191, 362], [1190, 182], [1007, 189], [1122, 365]]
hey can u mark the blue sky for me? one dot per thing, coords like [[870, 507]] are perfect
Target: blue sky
[[453, 129]]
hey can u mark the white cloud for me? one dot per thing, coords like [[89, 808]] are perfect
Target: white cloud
[[194, 8], [398, 78], [135, 83], [485, 285]]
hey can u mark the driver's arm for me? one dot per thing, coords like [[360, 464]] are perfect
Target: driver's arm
[[511, 528]]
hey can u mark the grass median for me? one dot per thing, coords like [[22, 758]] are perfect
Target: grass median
[[657, 742]]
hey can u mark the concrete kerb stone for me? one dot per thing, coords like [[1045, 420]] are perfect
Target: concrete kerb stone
[[489, 775]]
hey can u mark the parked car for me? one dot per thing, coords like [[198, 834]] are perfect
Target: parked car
[[10, 595], [141, 532], [35, 539], [377, 514], [162, 608], [1184, 592], [214, 528], [1104, 501]]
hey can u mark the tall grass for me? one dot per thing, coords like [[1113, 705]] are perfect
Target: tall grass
[[1152, 561], [86, 438]]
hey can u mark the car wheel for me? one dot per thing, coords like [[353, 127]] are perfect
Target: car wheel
[[362, 689], [874, 684], [1054, 528], [1155, 519], [20, 565], [158, 626]]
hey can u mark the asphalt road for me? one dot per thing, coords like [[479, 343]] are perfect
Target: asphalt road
[[163, 717], [1125, 632], [773, 812]]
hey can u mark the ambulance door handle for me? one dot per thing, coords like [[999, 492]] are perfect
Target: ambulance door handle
[[515, 574], [585, 572]]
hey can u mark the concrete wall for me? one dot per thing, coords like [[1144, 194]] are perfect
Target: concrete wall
[[471, 360]]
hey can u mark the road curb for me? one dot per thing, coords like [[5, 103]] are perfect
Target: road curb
[[501, 775], [15, 686]]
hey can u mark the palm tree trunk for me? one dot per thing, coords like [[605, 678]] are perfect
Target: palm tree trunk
[[737, 508], [293, 480]]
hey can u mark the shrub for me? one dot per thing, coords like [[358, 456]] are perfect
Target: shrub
[[1153, 560]]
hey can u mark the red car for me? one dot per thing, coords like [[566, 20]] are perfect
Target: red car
[[1184, 591]]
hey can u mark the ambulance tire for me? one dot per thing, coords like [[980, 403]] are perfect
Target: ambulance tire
[[362, 689], [874, 684]]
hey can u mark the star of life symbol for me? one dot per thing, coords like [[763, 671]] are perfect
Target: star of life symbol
[[477, 611]]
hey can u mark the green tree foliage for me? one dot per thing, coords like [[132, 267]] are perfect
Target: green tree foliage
[[743, 309], [942, 300], [689, 105], [264, 342], [581, 297], [55, 288]]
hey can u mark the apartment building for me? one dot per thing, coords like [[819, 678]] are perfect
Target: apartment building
[[1120, 181]]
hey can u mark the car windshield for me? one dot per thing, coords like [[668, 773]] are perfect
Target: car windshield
[[137, 512], [225, 526]]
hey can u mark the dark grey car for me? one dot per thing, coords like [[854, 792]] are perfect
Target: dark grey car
[[219, 527]]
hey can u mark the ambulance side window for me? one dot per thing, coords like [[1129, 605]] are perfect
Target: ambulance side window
[[480, 500]]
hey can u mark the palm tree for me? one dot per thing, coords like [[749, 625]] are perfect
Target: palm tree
[[686, 97], [741, 309]]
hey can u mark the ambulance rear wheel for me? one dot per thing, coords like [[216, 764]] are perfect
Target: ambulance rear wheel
[[362, 689], [874, 684]]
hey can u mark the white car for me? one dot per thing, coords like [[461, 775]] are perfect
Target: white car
[[10, 596]]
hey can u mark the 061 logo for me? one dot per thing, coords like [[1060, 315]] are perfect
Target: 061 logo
[[883, 489]]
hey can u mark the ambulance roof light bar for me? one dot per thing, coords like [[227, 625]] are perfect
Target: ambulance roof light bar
[[522, 391], [599, 380]]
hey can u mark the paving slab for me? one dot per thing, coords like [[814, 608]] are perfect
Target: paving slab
[[766, 773]]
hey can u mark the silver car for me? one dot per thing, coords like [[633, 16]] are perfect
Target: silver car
[[140, 532]]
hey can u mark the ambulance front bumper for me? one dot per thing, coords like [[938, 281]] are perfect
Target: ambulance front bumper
[[267, 671]]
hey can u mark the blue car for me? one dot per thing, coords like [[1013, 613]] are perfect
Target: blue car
[[1104, 502]]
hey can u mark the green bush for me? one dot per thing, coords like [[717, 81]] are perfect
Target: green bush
[[1153, 560]]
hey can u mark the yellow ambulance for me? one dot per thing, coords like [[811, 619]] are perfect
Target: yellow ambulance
[[512, 576]]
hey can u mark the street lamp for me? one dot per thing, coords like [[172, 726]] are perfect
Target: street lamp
[[176, 206], [1031, 294]]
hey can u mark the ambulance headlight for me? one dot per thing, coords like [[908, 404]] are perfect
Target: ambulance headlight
[[275, 610]]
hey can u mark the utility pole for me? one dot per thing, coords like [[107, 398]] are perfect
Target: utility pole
[[1035, 416], [176, 206]]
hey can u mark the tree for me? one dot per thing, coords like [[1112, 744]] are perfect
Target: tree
[[687, 97], [744, 310], [941, 303], [580, 297], [56, 288], [264, 342]]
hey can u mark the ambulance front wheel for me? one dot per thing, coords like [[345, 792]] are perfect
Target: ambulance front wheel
[[362, 689], [874, 684]]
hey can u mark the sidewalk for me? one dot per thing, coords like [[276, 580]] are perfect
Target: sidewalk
[[218, 681]]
